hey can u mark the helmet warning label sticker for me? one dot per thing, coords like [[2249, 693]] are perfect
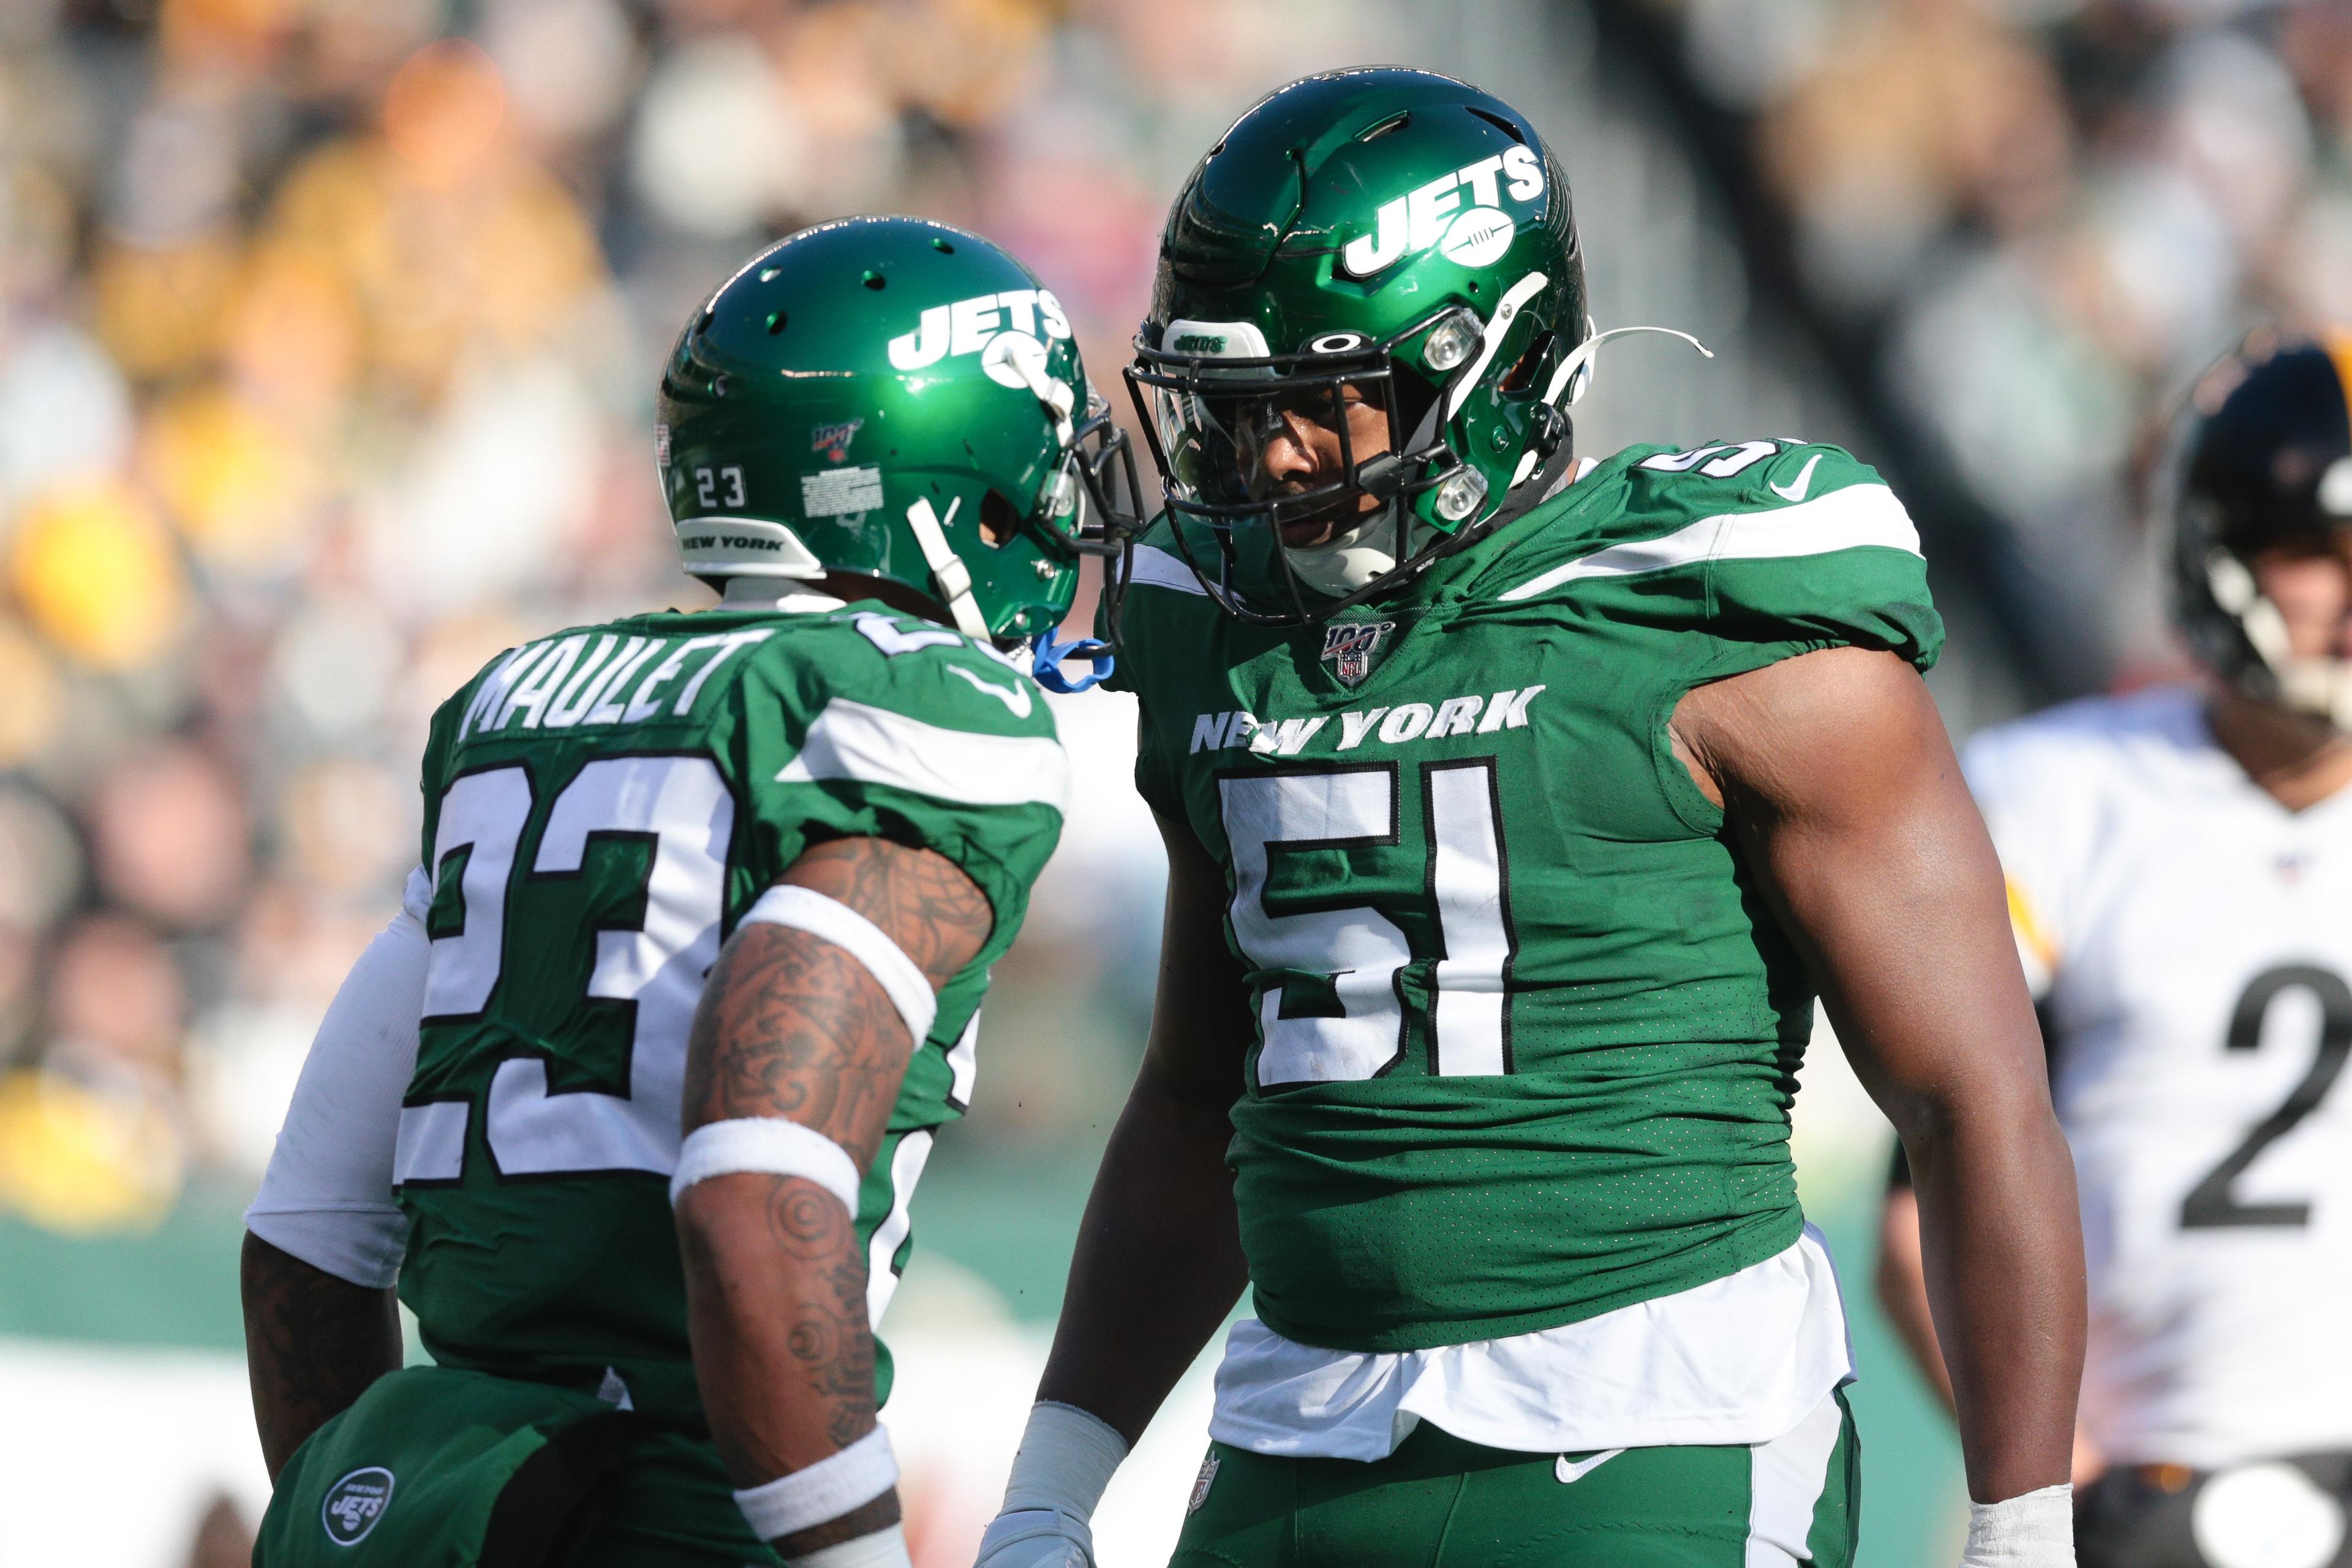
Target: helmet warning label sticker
[[838, 492]]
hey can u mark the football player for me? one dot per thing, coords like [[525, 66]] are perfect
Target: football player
[[2179, 866], [829, 795], [1515, 805]]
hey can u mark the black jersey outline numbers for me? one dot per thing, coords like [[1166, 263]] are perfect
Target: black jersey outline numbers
[[633, 795], [1356, 1028], [1352, 1030], [1470, 890], [679, 804], [2211, 1204]]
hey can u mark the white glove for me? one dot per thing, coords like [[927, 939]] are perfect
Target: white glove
[[1066, 1458], [1037, 1538], [2036, 1531]]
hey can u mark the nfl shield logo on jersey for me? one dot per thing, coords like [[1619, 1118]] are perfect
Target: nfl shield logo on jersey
[[1201, 1483], [1349, 648]]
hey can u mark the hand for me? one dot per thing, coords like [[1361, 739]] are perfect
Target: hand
[[1037, 1538]]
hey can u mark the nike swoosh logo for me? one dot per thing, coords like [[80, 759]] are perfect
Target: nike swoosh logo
[[1796, 493], [1014, 697], [1566, 1473]]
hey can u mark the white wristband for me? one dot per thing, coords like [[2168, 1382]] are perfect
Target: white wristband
[[886, 1548], [1066, 1458], [2035, 1531], [825, 1491], [770, 1146], [901, 978]]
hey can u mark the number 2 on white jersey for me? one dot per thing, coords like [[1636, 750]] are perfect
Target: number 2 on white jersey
[[1359, 951], [2213, 1203]]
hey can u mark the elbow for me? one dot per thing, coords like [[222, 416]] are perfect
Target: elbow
[[1191, 1105], [1888, 1291], [2001, 1115], [1896, 1280], [719, 1221], [750, 1230]]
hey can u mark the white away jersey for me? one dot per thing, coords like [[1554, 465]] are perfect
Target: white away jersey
[[2192, 942]]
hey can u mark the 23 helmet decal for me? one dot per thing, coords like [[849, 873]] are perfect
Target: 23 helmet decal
[[898, 399], [1393, 255], [2262, 458]]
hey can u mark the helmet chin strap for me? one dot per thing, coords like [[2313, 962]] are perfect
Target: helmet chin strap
[[952, 577], [1057, 395], [2321, 688]]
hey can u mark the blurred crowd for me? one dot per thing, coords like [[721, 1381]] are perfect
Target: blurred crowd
[[327, 338], [2046, 216], [329, 329]]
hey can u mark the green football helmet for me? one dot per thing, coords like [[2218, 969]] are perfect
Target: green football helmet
[[1385, 236], [897, 399]]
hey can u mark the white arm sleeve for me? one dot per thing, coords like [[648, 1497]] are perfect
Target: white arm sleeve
[[326, 1196]]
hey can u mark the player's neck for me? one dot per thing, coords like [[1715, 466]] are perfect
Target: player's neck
[[2297, 760], [777, 594]]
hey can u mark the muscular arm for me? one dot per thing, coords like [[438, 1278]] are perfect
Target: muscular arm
[[1158, 1260], [1846, 801], [1902, 1285], [313, 1344], [791, 1026], [324, 1236]]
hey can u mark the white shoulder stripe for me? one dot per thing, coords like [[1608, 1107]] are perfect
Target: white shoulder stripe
[[873, 745], [1157, 568], [1841, 519]]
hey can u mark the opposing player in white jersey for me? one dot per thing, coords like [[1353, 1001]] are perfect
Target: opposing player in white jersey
[[2180, 867]]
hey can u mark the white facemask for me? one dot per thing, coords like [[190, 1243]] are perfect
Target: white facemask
[[2320, 687]]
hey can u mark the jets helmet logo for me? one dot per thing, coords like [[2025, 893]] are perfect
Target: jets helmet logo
[[1434, 215], [1349, 648], [1002, 328]]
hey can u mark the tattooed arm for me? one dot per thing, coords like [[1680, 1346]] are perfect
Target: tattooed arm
[[313, 1344], [791, 1026]]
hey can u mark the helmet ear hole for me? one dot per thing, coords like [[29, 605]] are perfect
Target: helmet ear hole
[[999, 521]]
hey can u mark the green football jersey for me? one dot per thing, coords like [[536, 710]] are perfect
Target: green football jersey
[[1525, 1033], [601, 807]]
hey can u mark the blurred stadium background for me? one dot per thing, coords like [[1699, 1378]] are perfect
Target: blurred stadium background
[[327, 338]]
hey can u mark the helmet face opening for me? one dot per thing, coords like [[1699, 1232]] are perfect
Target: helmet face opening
[[1351, 370], [2261, 464], [1231, 435]]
